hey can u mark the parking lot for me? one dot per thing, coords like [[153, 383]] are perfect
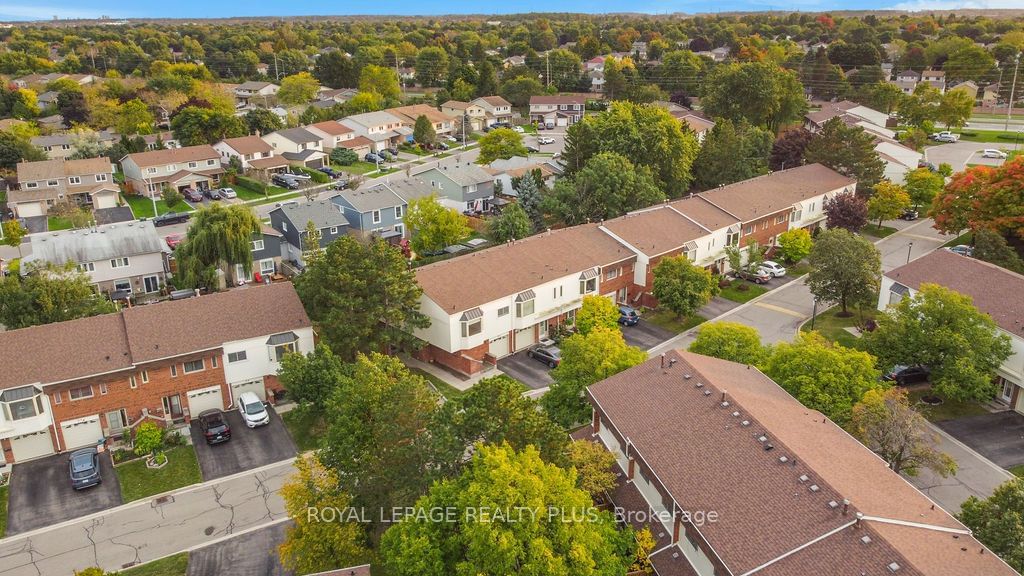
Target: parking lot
[[41, 493], [960, 154], [645, 335], [527, 370], [254, 554], [247, 449], [998, 437]]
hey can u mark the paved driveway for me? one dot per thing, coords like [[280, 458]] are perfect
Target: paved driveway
[[527, 370], [959, 154], [254, 554], [645, 335], [247, 449], [998, 437], [41, 493]]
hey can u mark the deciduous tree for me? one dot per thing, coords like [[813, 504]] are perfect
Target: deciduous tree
[[310, 379], [297, 89], [431, 66], [220, 237], [795, 244], [763, 93], [888, 202], [848, 150], [731, 153], [594, 467], [788, 149], [47, 294], [846, 269], [730, 341], [681, 286], [433, 225], [889, 426], [607, 187], [596, 312], [996, 521], [501, 143], [511, 224], [13, 233], [423, 131], [847, 211], [194, 126], [991, 247], [380, 80], [923, 185]]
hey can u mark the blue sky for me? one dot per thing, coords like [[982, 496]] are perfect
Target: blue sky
[[45, 10]]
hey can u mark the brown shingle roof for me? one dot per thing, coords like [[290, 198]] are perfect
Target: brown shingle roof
[[764, 195], [495, 101], [248, 145], [332, 127], [655, 231], [457, 104], [468, 281], [49, 169], [708, 460], [558, 99], [996, 291], [705, 213], [268, 163], [357, 142], [412, 112], [174, 155]]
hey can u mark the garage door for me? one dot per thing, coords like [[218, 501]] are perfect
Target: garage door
[[29, 209], [254, 386], [81, 432], [524, 338], [205, 399], [498, 347], [563, 121], [31, 446]]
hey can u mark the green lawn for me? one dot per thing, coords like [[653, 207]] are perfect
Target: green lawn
[[275, 199], [993, 136], [529, 128], [444, 388], [418, 151], [305, 429], [142, 206], [246, 194], [359, 167], [948, 410], [1017, 470], [733, 292], [667, 319], [176, 565], [3, 511], [832, 327], [878, 231], [964, 238], [798, 269], [54, 223], [138, 482]]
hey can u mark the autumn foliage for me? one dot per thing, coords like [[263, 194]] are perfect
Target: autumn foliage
[[983, 197]]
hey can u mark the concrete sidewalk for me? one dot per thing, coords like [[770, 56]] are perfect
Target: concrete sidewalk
[[150, 529]]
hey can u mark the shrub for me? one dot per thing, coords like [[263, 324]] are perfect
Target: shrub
[[317, 176], [795, 244], [252, 183], [344, 156], [148, 438]]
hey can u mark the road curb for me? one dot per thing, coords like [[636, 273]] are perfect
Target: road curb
[[945, 435]]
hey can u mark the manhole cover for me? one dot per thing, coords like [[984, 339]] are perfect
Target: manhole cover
[[209, 530]]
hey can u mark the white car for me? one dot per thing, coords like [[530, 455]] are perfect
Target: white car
[[253, 412], [993, 153], [518, 129], [228, 193], [545, 140], [773, 268]]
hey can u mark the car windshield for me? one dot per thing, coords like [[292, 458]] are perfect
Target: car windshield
[[254, 408], [554, 352], [81, 465]]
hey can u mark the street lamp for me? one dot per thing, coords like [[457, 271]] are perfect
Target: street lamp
[[910, 247], [814, 313]]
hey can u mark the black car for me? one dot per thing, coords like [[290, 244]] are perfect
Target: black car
[[532, 149], [329, 171], [211, 193], [285, 182], [371, 157], [628, 316], [909, 214], [903, 375], [442, 146], [546, 354], [171, 218], [393, 151], [215, 428], [84, 468]]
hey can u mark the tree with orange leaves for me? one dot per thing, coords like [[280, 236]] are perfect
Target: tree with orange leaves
[[983, 197]]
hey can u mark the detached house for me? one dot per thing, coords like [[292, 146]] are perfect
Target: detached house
[[383, 129], [73, 384], [298, 146], [127, 259], [252, 151], [291, 221], [62, 145], [496, 109], [558, 110], [443, 123], [472, 114], [147, 173], [42, 184], [379, 210], [334, 134], [257, 92], [460, 186]]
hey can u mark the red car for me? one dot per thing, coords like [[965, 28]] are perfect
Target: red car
[[193, 195], [173, 240]]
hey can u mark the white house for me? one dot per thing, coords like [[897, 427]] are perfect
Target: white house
[[298, 146], [256, 92], [249, 150], [995, 291], [180, 168], [383, 129], [251, 362]]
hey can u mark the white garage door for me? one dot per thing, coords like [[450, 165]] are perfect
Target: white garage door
[[81, 432], [31, 446], [498, 347], [254, 386], [205, 399], [563, 121], [29, 209], [524, 338]]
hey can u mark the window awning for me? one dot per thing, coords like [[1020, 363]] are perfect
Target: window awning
[[524, 296], [691, 245], [283, 338], [471, 314], [899, 289], [588, 274], [15, 394]]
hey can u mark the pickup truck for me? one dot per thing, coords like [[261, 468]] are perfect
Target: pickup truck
[[945, 136]]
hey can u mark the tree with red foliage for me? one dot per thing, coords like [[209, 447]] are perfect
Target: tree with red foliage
[[846, 210], [983, 197], [788, 149], [826, 21]]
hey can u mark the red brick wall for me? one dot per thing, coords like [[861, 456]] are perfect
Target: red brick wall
[[765, 228], [467, 361], [148, 395], [624, 280]]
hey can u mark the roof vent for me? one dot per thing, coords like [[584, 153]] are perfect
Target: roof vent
[[865, 539], [735, 414], [762, 438], [700, 385], [769, 447], [725, 404], [803, 478], [707, 392], [745, 422], [893, 567], [688, 376], [814, 488], [783, 459], [833, 504]]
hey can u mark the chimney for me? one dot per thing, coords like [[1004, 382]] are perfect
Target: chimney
[[724, 395], [846, 506], [662, 359]]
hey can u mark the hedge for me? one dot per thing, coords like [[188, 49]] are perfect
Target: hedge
[[317, 176], [252, 184]]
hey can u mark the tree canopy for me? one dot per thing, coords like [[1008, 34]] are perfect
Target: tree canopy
[[433, 225], [847, 269], [681, 286], [730, 341], [49, 293], [500, 143], [220, 237], [848, 150], [762, 93], [607, 187], [888, 425]]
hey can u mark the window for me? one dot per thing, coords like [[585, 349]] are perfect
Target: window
[[80, 393], [764, 225], [612, 273], [150, 170], [813, 204], [213, 361], [471, 328], [194, 366], [86, 267], [172, 167], [123, 286], [236, 357], [103, 388], [51, 183], [267, 266], [174, 370], [796, 216], [398, 212], [58, 397], [557, 291], [284, 226], [503, 311], [19, 403], [780, 218], [210, 162], [121, 262], [65, 146], [749, 230], [281, 349], [150, 284], [31, 185], [524, 308], [588, 286], [133, 382], [257, 245], [74, 180], [400, 229], [375, 216], [145, 376], [192, 164]]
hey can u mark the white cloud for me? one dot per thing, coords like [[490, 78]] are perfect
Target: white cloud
[[923, 5], [37, 12]]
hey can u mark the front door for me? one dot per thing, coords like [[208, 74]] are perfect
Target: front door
[[1006, 392], [172, 406], [151, 284]]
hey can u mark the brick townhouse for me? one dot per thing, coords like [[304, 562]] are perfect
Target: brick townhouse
[[72, 384]]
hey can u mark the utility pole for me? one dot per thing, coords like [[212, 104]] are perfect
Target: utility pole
[[1013, 86], [276, 73], [547, 77]]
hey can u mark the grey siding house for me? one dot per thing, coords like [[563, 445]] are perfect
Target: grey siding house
[[291, 221], [268, 248], [460, 186], [380, 209]]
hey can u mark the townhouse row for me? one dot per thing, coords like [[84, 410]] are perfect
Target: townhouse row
[[492, 303], [82, 382]]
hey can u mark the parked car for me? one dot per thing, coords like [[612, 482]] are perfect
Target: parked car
[[628, 315], [546, 354], [384, 156], [173, 240], [211, 193], [993, 153], [84, 468], [442, 146], [285, 182], [392, 150], [945, 136], [297, 176], [963, 250], [287, 203], [760, 276], [253, 412], [451, 138], [228, 193], [774, 268], [909, 214], [215, 428], [192, 195], [545, 140], [171, 218], [928, 165], [518, 129], [371, 157], [532, 149], [329, 171], [903, 375]]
